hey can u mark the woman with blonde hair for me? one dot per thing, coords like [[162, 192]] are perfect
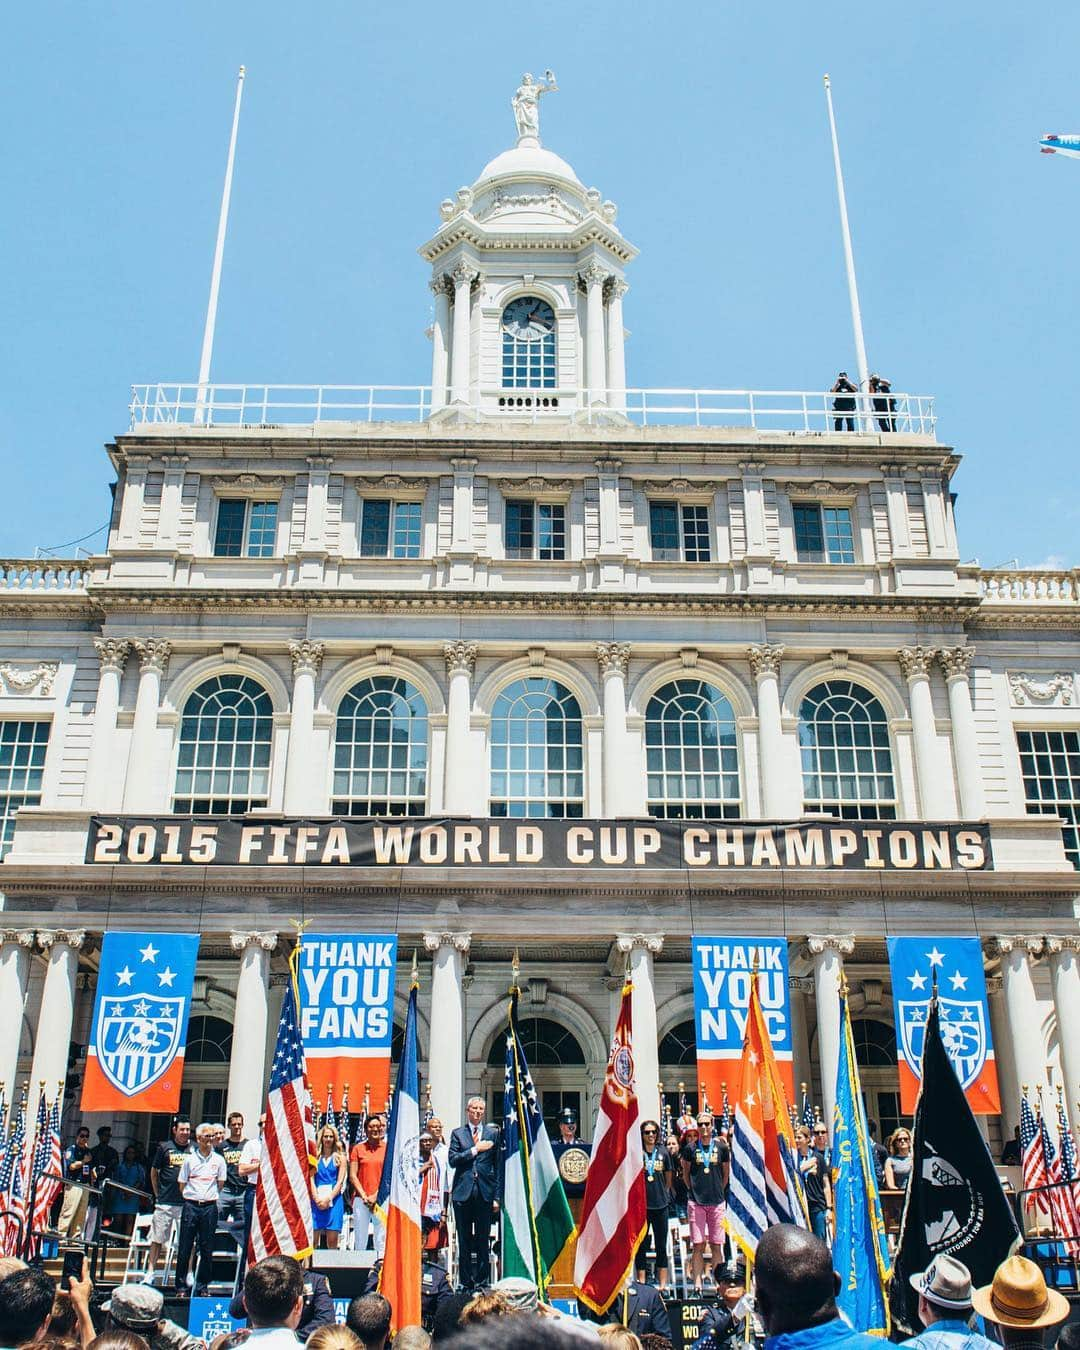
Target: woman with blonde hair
[[328, 1178], [334, 1338], [616, 1337]]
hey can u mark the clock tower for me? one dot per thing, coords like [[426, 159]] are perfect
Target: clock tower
[[528, 276]]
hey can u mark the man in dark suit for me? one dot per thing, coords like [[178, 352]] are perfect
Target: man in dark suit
[[474, 1161]]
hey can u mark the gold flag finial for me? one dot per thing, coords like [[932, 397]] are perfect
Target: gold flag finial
[[515, 971]]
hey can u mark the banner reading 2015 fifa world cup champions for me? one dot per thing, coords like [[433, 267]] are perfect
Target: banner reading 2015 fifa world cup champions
[[722, 973], [957, 966], [347, 1013], [135, 1059]]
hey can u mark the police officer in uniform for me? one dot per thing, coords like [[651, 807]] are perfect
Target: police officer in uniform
[[435, 1288], [723, 1327], [568, 1127], [645, 1311]]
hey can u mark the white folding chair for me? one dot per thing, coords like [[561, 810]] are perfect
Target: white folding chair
[[138, 1247]]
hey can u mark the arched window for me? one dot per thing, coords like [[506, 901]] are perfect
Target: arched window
[[875, 1042], [209, 1040], [528, 344], [223, 768], [381, 750], [679, 1047], [691, 753], [546, 1044], [846, 760], [537, 761]]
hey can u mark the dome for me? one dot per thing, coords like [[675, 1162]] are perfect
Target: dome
[[531, 162]]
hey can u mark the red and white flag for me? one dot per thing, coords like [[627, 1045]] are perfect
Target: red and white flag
[[612, 1222], [282, 1222]]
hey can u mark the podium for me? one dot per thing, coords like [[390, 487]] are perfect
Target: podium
[[572, 1161]]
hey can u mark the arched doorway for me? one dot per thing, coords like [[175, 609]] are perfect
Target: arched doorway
[[678, 1064], [875, 1051], [206, 1076], [556, 1061]]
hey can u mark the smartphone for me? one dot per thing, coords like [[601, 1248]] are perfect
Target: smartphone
[[73, 1266]]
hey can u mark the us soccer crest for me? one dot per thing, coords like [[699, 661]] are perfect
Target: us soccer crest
[[138, 1036], [963, 1032]]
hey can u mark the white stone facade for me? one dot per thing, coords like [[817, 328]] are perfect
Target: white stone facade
[[109, 652]]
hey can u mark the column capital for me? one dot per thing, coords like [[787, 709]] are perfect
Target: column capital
[[764, 659], [465, 273], [64, 937], [956, 661], [615, 288], [306, 657], [441, 285], [607, 465], [799, 984], [592, 274], [240, 942], [915, 662], [841, 943], [112, 653], [1057, 943], [1030, 945], [461, 942], [653, 943], [17, 937], [460, 657], [153, 654], [613, 658]]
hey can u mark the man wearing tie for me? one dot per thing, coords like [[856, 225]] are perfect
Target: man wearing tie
[[474, 1161]]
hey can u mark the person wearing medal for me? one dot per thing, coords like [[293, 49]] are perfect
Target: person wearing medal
[[657, 1201], [706, 1165]]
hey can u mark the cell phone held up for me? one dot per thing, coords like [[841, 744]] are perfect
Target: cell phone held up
[[74, 1258]]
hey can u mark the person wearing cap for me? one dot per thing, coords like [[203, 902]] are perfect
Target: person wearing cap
[[724, 1323], [568, 1127], [521, 1295], [944, 1290], [883, 402], [140, 1309], [844, 406], [1019, 1304]]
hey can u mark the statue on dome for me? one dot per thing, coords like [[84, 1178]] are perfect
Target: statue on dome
[[526, 105]]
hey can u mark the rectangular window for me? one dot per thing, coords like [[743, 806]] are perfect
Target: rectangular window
[[245, 529], [1050, 765], [536, 530], [679, 532], [823, 533], [390, 529], [22, 765]]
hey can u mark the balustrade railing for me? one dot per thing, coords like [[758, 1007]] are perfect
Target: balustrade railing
[[43, 574], [1029, 586]]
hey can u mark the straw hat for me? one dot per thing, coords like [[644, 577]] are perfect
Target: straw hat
[[1018, 1297]]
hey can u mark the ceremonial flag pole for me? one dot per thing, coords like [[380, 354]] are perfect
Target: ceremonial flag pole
[[849, 256], [219, 252]]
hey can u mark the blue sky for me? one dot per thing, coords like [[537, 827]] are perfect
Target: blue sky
[[705, 123]]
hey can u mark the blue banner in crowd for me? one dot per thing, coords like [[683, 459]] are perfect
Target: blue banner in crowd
[[135, 1059], [209, 1317], [957, 965], [722, 973]]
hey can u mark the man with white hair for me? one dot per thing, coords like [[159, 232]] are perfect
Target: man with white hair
[[202, 1175]]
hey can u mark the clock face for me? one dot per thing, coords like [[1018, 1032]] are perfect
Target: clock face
[[528, 319]]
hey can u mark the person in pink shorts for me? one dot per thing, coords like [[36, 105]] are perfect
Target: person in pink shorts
[[706, 1163]]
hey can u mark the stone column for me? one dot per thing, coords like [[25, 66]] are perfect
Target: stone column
[[641, 948], [141, 788], [15, 947], [459, 793], [246, 1064], [113, 655], [593, 276], [827, 953], [956, 663], [1064, 954], [440, 342], [798, 989], [464, 274], [52, 1036], [1021, 1005], [614, 290], [1008, 1080], [614, 660], [916, 663], [302, 793], [446, 1053], [775, 791]]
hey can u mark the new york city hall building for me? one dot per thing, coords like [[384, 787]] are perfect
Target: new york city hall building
[[574, 644]]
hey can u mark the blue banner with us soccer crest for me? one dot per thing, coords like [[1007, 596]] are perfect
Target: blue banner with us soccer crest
[[135, 1059], [957, 966]]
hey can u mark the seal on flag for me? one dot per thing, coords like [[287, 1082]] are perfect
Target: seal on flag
[[138, 1036], [963, 1031]]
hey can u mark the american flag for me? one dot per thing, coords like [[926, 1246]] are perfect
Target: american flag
[[1060, 1197], [1031, 1152], [807, 1109], [11, 1191], [282, 1225], [48, 1161], [329, 1117], [725, 1110], [1068, 1157], [345, 1123], [360, 1133]]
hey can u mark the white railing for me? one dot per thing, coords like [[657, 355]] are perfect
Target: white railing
[[1029, 586], [793, 412], [43, 574]]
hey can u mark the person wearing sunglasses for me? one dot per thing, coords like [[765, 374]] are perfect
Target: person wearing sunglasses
[[658, 1197], [816, 1182], [898, 1163]]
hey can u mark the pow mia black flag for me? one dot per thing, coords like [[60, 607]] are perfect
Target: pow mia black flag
[[954, 1201]]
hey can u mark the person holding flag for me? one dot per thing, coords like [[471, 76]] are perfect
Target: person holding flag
[[537, 1224]]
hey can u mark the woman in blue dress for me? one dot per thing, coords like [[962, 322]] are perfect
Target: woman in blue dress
[[328, 1178]]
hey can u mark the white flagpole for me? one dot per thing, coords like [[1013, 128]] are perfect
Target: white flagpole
[[849, 257], [219, 250]]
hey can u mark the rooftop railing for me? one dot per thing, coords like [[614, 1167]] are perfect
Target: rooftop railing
[[1029, 586], [793, 412], [43, 574]]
